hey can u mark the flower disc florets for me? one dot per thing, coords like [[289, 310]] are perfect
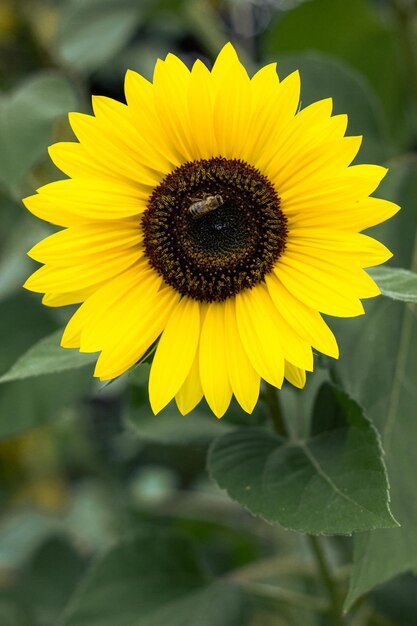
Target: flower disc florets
[[213, 228]]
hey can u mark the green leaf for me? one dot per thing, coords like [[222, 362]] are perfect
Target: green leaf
[[377, 367], [47, 357], [20, 535], [49, 578], [355, 35], [22, 322], [154, 580], [94, 31], [334, 482], [397, 600], [396, 283], [25, 404], [28, 403], [26, 118], [325, 77]]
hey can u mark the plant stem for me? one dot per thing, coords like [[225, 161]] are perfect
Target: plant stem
[[273, 405], [401, 360], [329, 583], [287, 596]]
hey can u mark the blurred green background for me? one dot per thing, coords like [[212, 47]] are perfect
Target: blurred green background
[[83, 467]]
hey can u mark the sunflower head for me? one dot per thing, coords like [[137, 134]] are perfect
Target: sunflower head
[[213, 216]]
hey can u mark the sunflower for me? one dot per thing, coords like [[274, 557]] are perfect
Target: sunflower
[[212, 216]]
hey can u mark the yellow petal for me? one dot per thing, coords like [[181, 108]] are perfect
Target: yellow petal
[[295, 375], [142, 323], [175, 353], [315, 163], [274, 104], [295, 349], [361, 249], [73, 245], [342, 272], [355, 183], [101, 303], [309, 125], [325, 213], [64, 299], [213, 360], [124, 130], [191, 391], [244, 380], [306, 322], [91, 200], [141, 110], [321, 288], [75, 161], [51, 278], [232, 103], [112, 154], [50, 211], [170, 86], [200, 104], [110, 307], [260, 335]]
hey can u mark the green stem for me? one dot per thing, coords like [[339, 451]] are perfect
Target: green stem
[[401, 360], [328, 581], [287, 596], [270, 397]]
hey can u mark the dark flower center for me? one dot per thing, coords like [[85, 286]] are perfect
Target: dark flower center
[[213, 228]]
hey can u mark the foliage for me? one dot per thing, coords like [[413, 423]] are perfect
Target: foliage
[[114, 517]]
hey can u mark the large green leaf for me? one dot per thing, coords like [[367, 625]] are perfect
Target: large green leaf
[[26, 118], [93, 31], [396, 283], [47, 357], [334, 482], [325, 77], [378, 366], [154, 580], [353, 33]]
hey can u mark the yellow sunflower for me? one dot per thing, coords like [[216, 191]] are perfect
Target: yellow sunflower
[[211, 215]]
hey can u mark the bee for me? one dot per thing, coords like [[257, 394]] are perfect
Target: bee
[[202, 206]]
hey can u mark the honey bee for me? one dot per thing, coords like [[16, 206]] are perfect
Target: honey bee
[[202, 206]]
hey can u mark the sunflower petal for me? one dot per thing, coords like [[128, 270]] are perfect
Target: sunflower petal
[[244, 380], [306, 322], [260, 335], [142, 322], [191, 391], [175, 353], [295, 375], [213, 360]]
